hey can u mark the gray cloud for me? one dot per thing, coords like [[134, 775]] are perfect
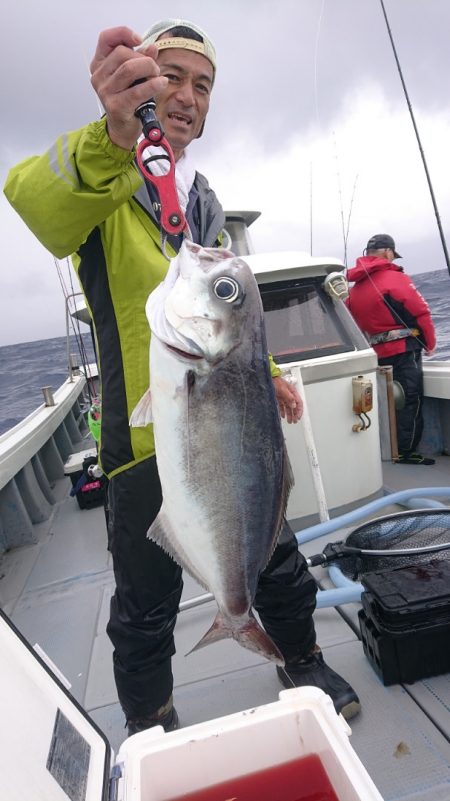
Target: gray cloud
[[280, 65], [290, 74]]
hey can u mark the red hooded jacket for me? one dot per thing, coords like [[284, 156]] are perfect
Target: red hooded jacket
[[382, 299]]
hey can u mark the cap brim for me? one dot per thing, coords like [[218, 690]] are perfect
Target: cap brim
[[397, 255], [206, 47]]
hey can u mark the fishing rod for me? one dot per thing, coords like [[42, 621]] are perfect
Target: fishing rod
[[433, 199], [75, 325]]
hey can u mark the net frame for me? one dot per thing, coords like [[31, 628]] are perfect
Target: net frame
[[405, 532]]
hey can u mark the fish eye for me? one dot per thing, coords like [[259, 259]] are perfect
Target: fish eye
[[226, 289]]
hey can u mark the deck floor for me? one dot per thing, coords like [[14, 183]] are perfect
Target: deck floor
[[57, 593]]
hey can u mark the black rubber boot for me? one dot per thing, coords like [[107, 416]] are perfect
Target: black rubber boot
[[166, 717], [313, 671], [414, 458]]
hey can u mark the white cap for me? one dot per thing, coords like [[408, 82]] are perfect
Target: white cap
[[205, 48]]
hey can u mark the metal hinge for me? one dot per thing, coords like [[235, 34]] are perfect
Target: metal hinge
[[116, 774]]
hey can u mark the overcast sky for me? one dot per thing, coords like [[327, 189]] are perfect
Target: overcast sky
[[308, 122]]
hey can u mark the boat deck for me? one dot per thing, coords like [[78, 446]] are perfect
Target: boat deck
[[57, 592]]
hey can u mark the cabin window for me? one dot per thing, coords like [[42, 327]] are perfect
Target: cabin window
[[302, 321]]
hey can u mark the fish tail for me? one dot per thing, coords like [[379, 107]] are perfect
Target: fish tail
[[247, 633]]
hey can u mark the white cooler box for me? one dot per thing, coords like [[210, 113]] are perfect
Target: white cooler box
[[50, 750]]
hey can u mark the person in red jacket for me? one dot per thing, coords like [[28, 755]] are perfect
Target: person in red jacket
[[397, 322]]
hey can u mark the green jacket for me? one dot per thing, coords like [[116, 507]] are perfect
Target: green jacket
[[85, 197]]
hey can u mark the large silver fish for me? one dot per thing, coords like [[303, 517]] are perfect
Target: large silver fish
[[221, 454]]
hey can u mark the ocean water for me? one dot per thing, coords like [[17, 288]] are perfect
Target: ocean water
[[27, 367]]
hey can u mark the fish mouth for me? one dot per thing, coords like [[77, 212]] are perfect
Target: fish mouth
[[185, 354]]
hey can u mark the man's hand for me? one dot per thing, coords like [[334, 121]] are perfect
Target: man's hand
[[115, 69], [430, 352], [290, 403]]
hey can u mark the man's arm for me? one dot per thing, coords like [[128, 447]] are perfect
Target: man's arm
[[290, 403], [417, 306], [123, 78], [87, 174], [63, 194], [426, 325]]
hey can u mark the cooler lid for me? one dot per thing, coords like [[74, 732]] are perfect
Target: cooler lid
[[50, 748]]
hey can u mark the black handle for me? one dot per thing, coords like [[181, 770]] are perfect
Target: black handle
[[151, 126], [331, 553]]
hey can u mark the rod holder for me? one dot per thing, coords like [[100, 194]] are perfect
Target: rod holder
[[74, 365], [49, 400]]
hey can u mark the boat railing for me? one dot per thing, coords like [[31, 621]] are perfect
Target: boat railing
[[32, 457]]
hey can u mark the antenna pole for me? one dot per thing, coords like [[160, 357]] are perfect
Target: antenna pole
[[340, 198], [433, 199]]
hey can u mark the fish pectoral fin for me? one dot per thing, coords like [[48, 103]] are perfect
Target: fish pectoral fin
[[248, 633], [161, 532], [142, 413]]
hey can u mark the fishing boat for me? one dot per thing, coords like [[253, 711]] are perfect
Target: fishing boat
[[56, 576]]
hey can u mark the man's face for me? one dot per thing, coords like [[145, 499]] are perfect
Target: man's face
[[183, 105]]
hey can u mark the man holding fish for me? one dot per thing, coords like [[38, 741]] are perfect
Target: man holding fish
[[215, 504]]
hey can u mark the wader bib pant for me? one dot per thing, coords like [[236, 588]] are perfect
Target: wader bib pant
[[148, 590], [407, 370]]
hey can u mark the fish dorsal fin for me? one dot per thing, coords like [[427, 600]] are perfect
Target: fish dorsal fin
[[142, 413], [161, 532]]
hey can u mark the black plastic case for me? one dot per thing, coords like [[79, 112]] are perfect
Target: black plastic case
[[405, 621]]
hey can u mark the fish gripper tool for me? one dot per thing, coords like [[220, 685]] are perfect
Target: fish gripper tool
[[173, 220]]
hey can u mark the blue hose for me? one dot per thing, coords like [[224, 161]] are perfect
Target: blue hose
[[313, 532], [347, 591], [341, 595], [340, 580], [424, 503]]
